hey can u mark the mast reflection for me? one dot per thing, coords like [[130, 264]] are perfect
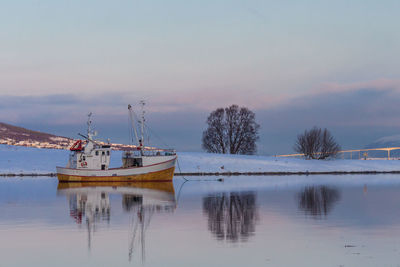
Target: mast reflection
[[231, 216], [318, 200], [90, 203]]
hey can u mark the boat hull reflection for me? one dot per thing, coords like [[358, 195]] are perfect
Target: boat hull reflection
[[89, 202], [117, 187]]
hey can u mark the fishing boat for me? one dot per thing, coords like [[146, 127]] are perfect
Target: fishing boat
[[89, 160]]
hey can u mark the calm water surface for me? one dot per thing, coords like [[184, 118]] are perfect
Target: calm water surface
[[241, 221]]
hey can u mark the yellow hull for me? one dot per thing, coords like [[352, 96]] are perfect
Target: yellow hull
[[161, 176], [166, 186]]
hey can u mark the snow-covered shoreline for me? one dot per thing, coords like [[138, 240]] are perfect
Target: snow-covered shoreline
[[24, 160]]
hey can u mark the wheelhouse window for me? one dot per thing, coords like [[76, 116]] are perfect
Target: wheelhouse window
[[102, 152], [108, 153], [97, 153]]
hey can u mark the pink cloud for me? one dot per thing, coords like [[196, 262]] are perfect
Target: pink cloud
[[380, 84], [209, 98]]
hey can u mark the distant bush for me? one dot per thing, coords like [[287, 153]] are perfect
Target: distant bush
[[316, 144]]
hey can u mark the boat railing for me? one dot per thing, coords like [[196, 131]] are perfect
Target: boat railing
[[150, 152]]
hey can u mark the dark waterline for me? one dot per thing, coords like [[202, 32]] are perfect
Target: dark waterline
[[349, 220]]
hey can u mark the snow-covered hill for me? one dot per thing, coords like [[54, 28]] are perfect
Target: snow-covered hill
[[383, 142], [18, 136], [17, 160], [14, 135], [387, 141]]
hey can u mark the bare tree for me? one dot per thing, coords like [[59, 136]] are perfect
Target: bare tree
[[329, 147], [231, 130], [316, 144]]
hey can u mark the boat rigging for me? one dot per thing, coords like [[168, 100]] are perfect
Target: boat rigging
[[91, 161]]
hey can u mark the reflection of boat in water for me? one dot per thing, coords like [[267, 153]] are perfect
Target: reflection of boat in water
[[90, 202], [91, 162]]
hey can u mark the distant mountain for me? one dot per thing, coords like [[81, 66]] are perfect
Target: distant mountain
[[13, 135], [384, 142], [387, 141], [18, 136]]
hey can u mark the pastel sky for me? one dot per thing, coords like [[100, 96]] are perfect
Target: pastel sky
[[296, 64]]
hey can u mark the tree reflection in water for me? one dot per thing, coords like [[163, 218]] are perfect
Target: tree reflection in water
[[318, 200], [231, 216]]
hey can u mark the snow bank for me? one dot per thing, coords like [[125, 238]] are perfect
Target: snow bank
[[14, 159], [204, 162]]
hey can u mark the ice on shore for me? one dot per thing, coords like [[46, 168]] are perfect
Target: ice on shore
[[204, 162], [16, 159]]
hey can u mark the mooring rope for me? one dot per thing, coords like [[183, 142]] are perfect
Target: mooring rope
[[179, 192], [180, 171]]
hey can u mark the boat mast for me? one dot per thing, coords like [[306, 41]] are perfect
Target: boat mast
[[133, 123], [142, 103], [89, 124]]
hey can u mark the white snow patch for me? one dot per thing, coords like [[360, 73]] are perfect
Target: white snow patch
[[58, 139], [204, 162], [15, 159]]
